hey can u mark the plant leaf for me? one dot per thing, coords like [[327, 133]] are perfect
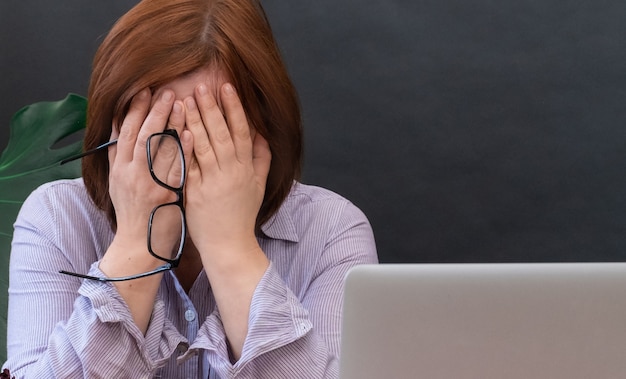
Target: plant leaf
[[30, 159]]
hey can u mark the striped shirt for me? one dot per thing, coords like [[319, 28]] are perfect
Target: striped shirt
[[63, 327]]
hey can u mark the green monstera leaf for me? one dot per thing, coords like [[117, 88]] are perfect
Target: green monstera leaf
[[36, 146]]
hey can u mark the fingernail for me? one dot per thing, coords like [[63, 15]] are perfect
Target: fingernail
[[167, 96], [190, 103], [229, 88], [202, 89], [143, 93], [178, 108]]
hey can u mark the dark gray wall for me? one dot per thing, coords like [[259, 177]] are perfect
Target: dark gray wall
[[468, 131]]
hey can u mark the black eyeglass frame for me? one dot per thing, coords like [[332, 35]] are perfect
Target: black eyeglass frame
[[169, 263]]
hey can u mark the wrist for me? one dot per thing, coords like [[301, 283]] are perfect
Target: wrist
[[126, 257], [233, 259]]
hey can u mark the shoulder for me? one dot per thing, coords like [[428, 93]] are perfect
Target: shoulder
[[60, 203], [313, 210], [62, 186], [59, 226], [304, 194], [60, 194], [320, 202]]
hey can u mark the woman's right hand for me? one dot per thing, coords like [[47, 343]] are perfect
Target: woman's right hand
[[134, 194], [133, 191]]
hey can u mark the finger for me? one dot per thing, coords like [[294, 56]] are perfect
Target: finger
[[177, 123], [164, 151], [155, 122], [216, 126], [262, 158], [112, 151], [166, 159], [186, 141], [177, 118], [202, 149], [193, 168], [194, 175], [139, 106], [237, 122]]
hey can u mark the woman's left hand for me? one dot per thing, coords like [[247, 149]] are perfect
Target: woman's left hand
[[225, 188], [227, 176]]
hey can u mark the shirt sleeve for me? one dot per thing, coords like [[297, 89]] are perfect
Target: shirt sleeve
[[60, 328], [296, 336]]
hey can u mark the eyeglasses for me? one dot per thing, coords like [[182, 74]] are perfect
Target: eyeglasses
[[167, 168]]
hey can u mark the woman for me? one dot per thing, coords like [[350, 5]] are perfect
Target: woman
[[258, 259]]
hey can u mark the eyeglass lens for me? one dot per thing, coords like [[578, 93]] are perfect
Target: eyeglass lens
[[166, 160], [166, 230], [167, 221]]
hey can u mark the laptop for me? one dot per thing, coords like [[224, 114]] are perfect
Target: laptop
[[485, 321]]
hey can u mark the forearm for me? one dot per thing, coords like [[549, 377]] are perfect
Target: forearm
[[282, 340], [139, 294], [295, 318], [98, 339], [82, 349], [234, 276]]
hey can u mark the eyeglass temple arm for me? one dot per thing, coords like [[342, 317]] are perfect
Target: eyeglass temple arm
[[88, 152], [157, 270]]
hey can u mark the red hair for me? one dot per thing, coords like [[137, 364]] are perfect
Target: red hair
[[160, 40]]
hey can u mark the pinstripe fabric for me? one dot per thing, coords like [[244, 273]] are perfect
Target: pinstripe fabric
[[62, 327]]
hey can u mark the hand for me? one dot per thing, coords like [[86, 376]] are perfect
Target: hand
[[227, 175], [224, 191], [133, 192]]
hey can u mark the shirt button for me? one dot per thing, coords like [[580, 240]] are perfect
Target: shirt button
[[190, 315]]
